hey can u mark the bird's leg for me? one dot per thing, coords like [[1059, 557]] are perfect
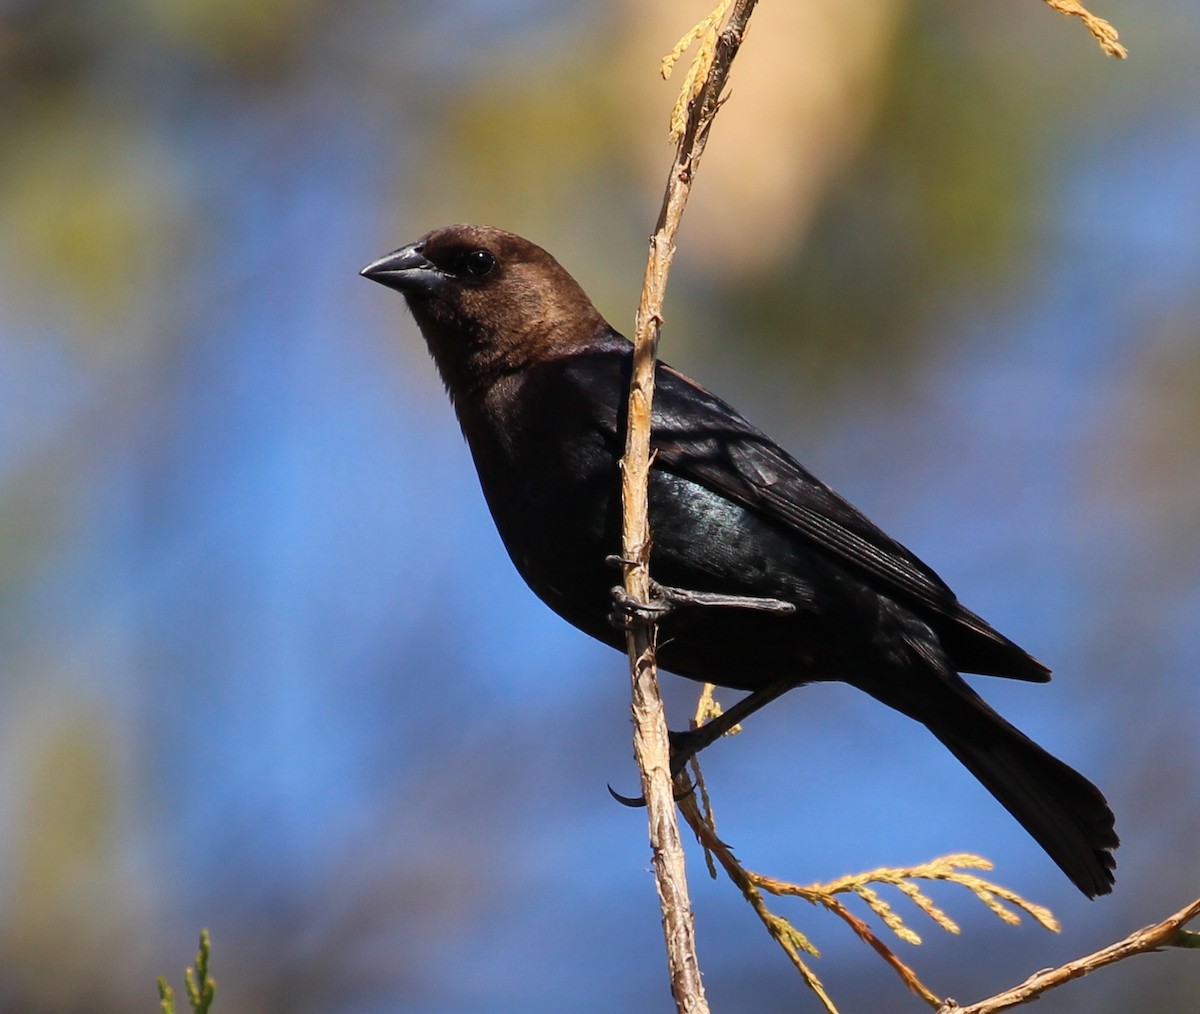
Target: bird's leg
[[685, 745], [664, 600]]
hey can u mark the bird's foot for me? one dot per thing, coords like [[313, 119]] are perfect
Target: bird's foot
[[629, 609], [684, 746], [665, 599], [635, 802]]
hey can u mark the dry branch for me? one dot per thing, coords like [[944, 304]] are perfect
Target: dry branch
[[1168, 933], [1101, 30], [651, 745]]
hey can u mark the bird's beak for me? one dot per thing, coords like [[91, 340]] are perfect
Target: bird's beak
[[407, 270]]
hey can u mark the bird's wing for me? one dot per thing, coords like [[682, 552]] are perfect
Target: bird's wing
[[699, 437]]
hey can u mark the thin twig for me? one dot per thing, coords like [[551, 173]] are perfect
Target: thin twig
[[787, 936], [1168, 933], [651, 746], [1101, 30]]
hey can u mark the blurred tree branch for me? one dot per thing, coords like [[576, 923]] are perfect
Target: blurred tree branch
[[201, 987], [1101, 30]]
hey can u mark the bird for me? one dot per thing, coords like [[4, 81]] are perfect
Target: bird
[[765, 579]]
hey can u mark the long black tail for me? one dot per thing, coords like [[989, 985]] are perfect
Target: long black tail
[[1064, 812]]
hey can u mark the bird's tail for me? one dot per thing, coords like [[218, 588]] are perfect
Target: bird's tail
[[1064, 812]]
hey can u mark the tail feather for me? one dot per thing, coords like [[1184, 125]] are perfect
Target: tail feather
[[1064, 812]]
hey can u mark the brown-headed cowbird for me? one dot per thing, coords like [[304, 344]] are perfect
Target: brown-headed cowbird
[[783, 582]]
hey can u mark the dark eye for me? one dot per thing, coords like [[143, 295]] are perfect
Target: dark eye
[[478, 263]]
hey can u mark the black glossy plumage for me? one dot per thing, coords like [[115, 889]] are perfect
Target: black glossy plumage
[[539, 382]]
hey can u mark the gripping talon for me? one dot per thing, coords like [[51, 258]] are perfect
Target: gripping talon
[[681, 794], [636, 802], [633, 802], [628, 609]]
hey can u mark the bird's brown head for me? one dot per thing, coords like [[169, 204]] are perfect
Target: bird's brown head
[[489, 303]]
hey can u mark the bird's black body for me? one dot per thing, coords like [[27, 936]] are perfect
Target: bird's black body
[[540, 381], [730, 512]]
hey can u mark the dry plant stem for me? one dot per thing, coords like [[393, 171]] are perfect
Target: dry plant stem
[[1150, 938], [753, 884], [791, 941], [651, 746], [1101, 30], [907, 975]]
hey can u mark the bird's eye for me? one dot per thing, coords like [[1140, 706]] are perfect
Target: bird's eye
[[478, 263]]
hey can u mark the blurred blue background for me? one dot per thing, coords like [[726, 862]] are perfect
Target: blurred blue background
[[264, 666]]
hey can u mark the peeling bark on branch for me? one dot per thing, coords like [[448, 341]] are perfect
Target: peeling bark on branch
[[651, 745]]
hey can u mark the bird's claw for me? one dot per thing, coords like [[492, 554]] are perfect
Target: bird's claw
[[633, 802], [636, 802], [630, 609], [683, 748]]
